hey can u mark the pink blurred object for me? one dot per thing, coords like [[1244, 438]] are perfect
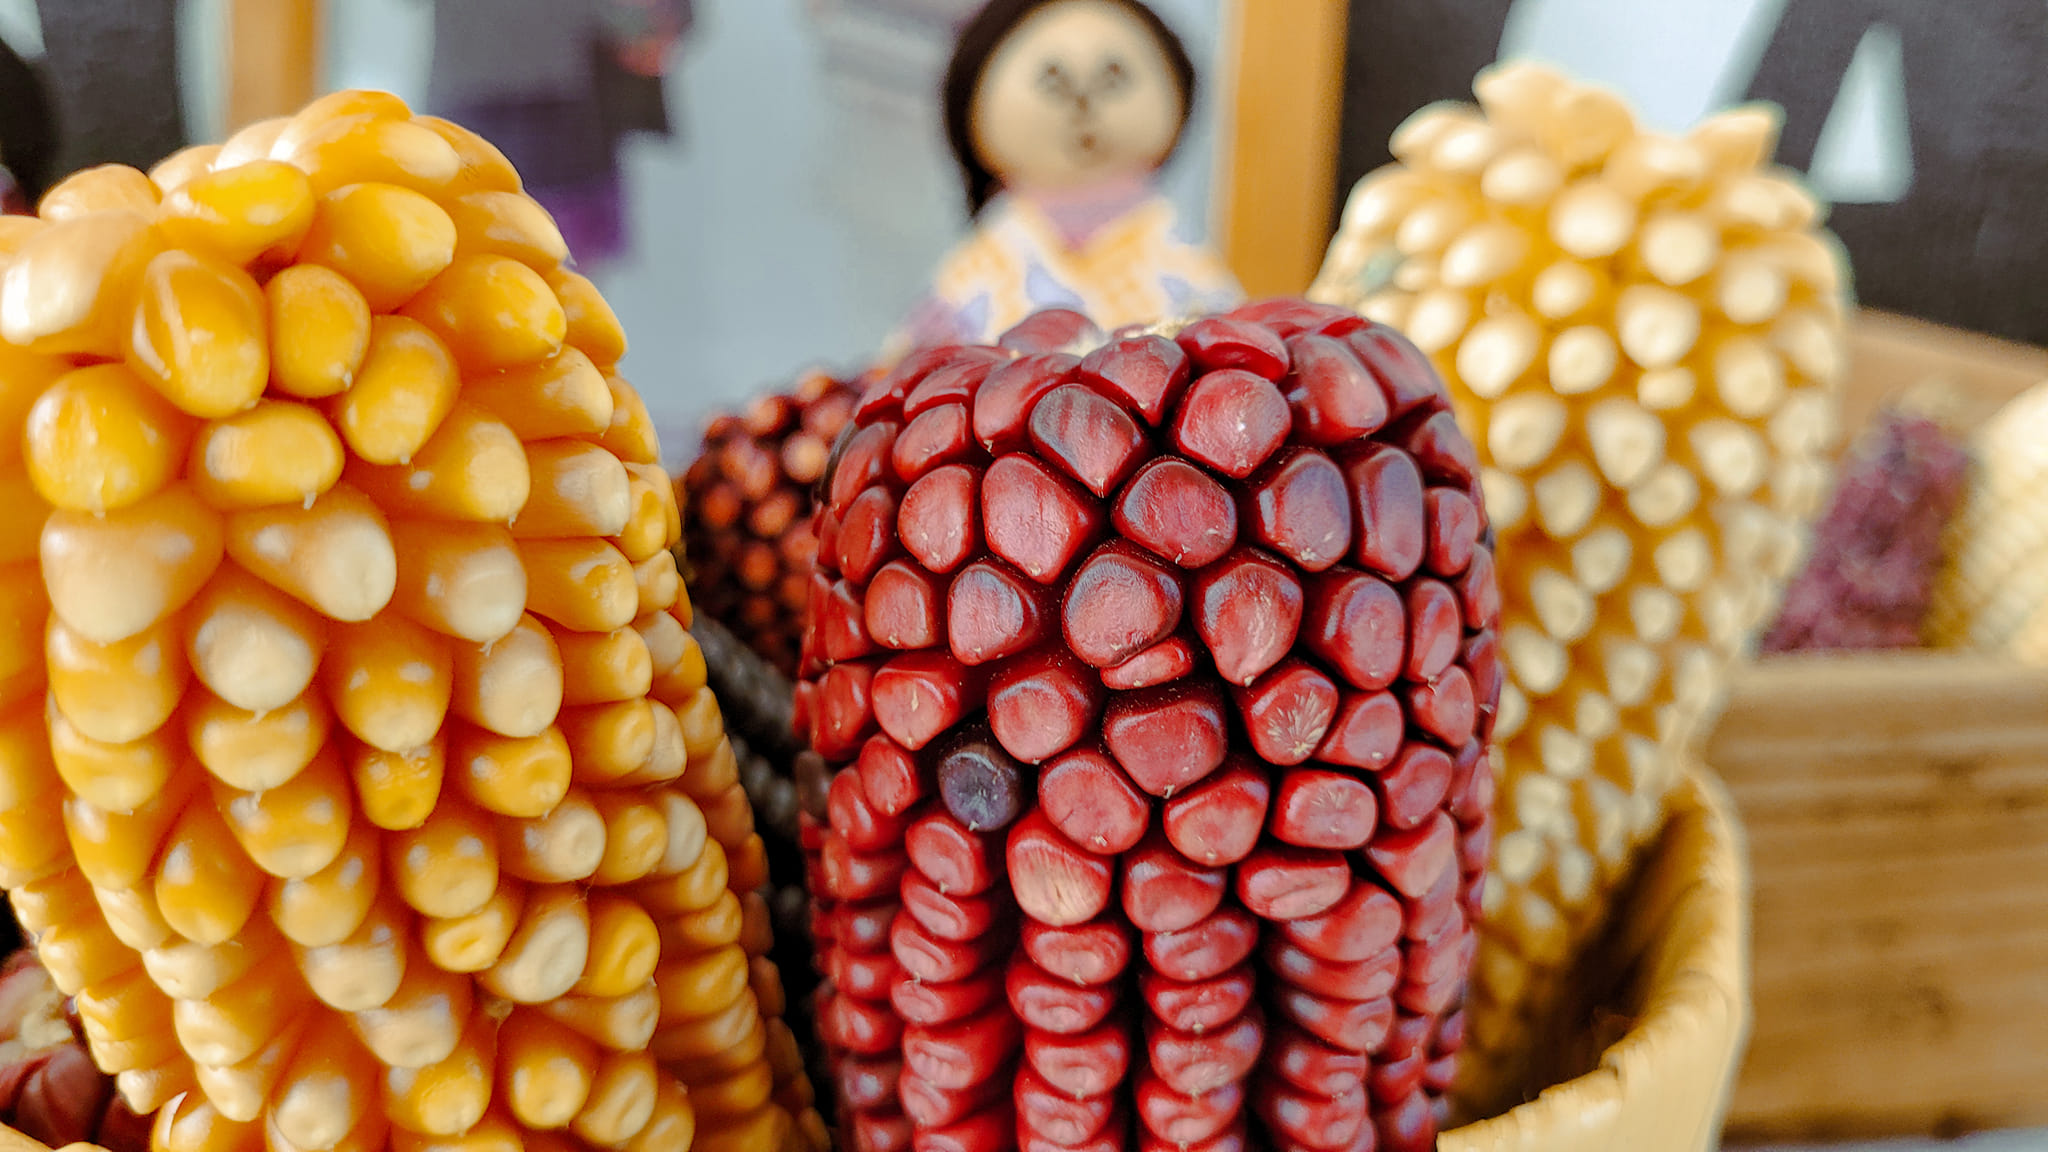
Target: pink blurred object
[[1876, 552]]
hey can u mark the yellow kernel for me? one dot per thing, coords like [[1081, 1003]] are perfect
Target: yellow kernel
[[462, 580], [183, 166], [118, 777], [507, 224], [578, 489], [251, 142], [189, 1124], [100, 439], [369, 148], [511, 686], [593, 327], [102, 188], [82, 951], [472, 468], [250, 644], [448, 1097], [324, 110], [326, 906], [635, 837], [189, 971], [581, 584], [601, 667], [624, 947], [397, 789], [365, 969], [278, 452], [622, 1097], [23, 378], [620, 1023], [545, 1070], [631, 435], [204, 886], [113, 576], [199, 334], [423, 1021], [127, 1023], [703, 930], [235, 1022], [403, 391], [646, 530], [609, 741], [21, 530], [389, 241], [484, 168], [518, 777], [548, 950], [474, 942], [389, 680], [259, 209], [296, 829], [335, 556], [561, 396], [327, 1088], [70, 285], [319, 331], [492, 312], [116, 692], [448, 866], [566, 843], [256, 750]]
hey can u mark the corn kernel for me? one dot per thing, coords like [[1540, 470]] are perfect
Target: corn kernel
[[703, 727], [707, 1036], [578, 489], [183, 166], [422, 1022], [366, 968], [673, 1125], [390, 681], [336, 556], [190, 1124], [115, 848], [127, 1023], [625, 947], [495, 1133], [713, 927], [564, 844], [621, 1023], [584, 584], [512, 686], [199, 334], [324, 110], [449, 1096], [521, 777], [112, 576], [462, 580], [492, 312], [545, 1070], [275, 453], [631, 435], [608, 741], [241, 1090], [693, 889], [712, 774], [748, 862], [484, 168], [256, 750], [621, 1102], [402, 392], [398, 789], [21, 672], [592, 325], [546, 954], [234, 1023], [328, 1087], [21, 531], [646, 530], [325, 907], [203, 894], [319, 331], [507, 224], [116, 692], [190, 971], [251, 142], [562, 396], [667, 760], [70, 285], [81, 952], [48, 900], [635, 837], [100, 439], [132, 914], [731, 822], [474, 942], [389, 241], [369, 148], [602, 667], [250, 644], [260, 209], [736, 1095], [448, 866], [471, 468]]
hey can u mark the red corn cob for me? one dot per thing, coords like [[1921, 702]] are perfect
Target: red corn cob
[[1159, 712]]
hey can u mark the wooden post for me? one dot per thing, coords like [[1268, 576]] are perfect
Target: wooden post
[[1278, 153], [273, 58]]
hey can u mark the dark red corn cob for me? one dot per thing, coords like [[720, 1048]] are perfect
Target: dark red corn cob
[[747, 499], [1158, 678]]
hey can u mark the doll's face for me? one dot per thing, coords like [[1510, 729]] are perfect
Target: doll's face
[[1079, 92]]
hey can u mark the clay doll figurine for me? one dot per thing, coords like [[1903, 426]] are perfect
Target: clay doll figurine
[[1061, 113]]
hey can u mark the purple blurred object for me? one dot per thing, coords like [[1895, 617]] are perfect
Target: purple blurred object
[[1878, 548]]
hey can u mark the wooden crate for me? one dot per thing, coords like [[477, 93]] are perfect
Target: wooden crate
[[1897, 811]]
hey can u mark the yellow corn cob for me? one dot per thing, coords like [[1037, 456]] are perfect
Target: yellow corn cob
[[1642, 334], [335, 583], [1990, 592]]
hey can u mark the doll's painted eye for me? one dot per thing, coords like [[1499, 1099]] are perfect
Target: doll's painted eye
[[1054, 81], [1113, 76]]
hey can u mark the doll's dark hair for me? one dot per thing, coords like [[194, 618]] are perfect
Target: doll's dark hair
[[28, 125], [979, 40]]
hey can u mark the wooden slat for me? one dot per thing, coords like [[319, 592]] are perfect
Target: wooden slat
[[1278, 146], [1897, 810], [273, 58], [1890, 354]]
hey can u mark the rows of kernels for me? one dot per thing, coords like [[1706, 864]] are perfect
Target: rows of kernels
[[1642, 334], [1026, 726], [748, 491], [354, 820]]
